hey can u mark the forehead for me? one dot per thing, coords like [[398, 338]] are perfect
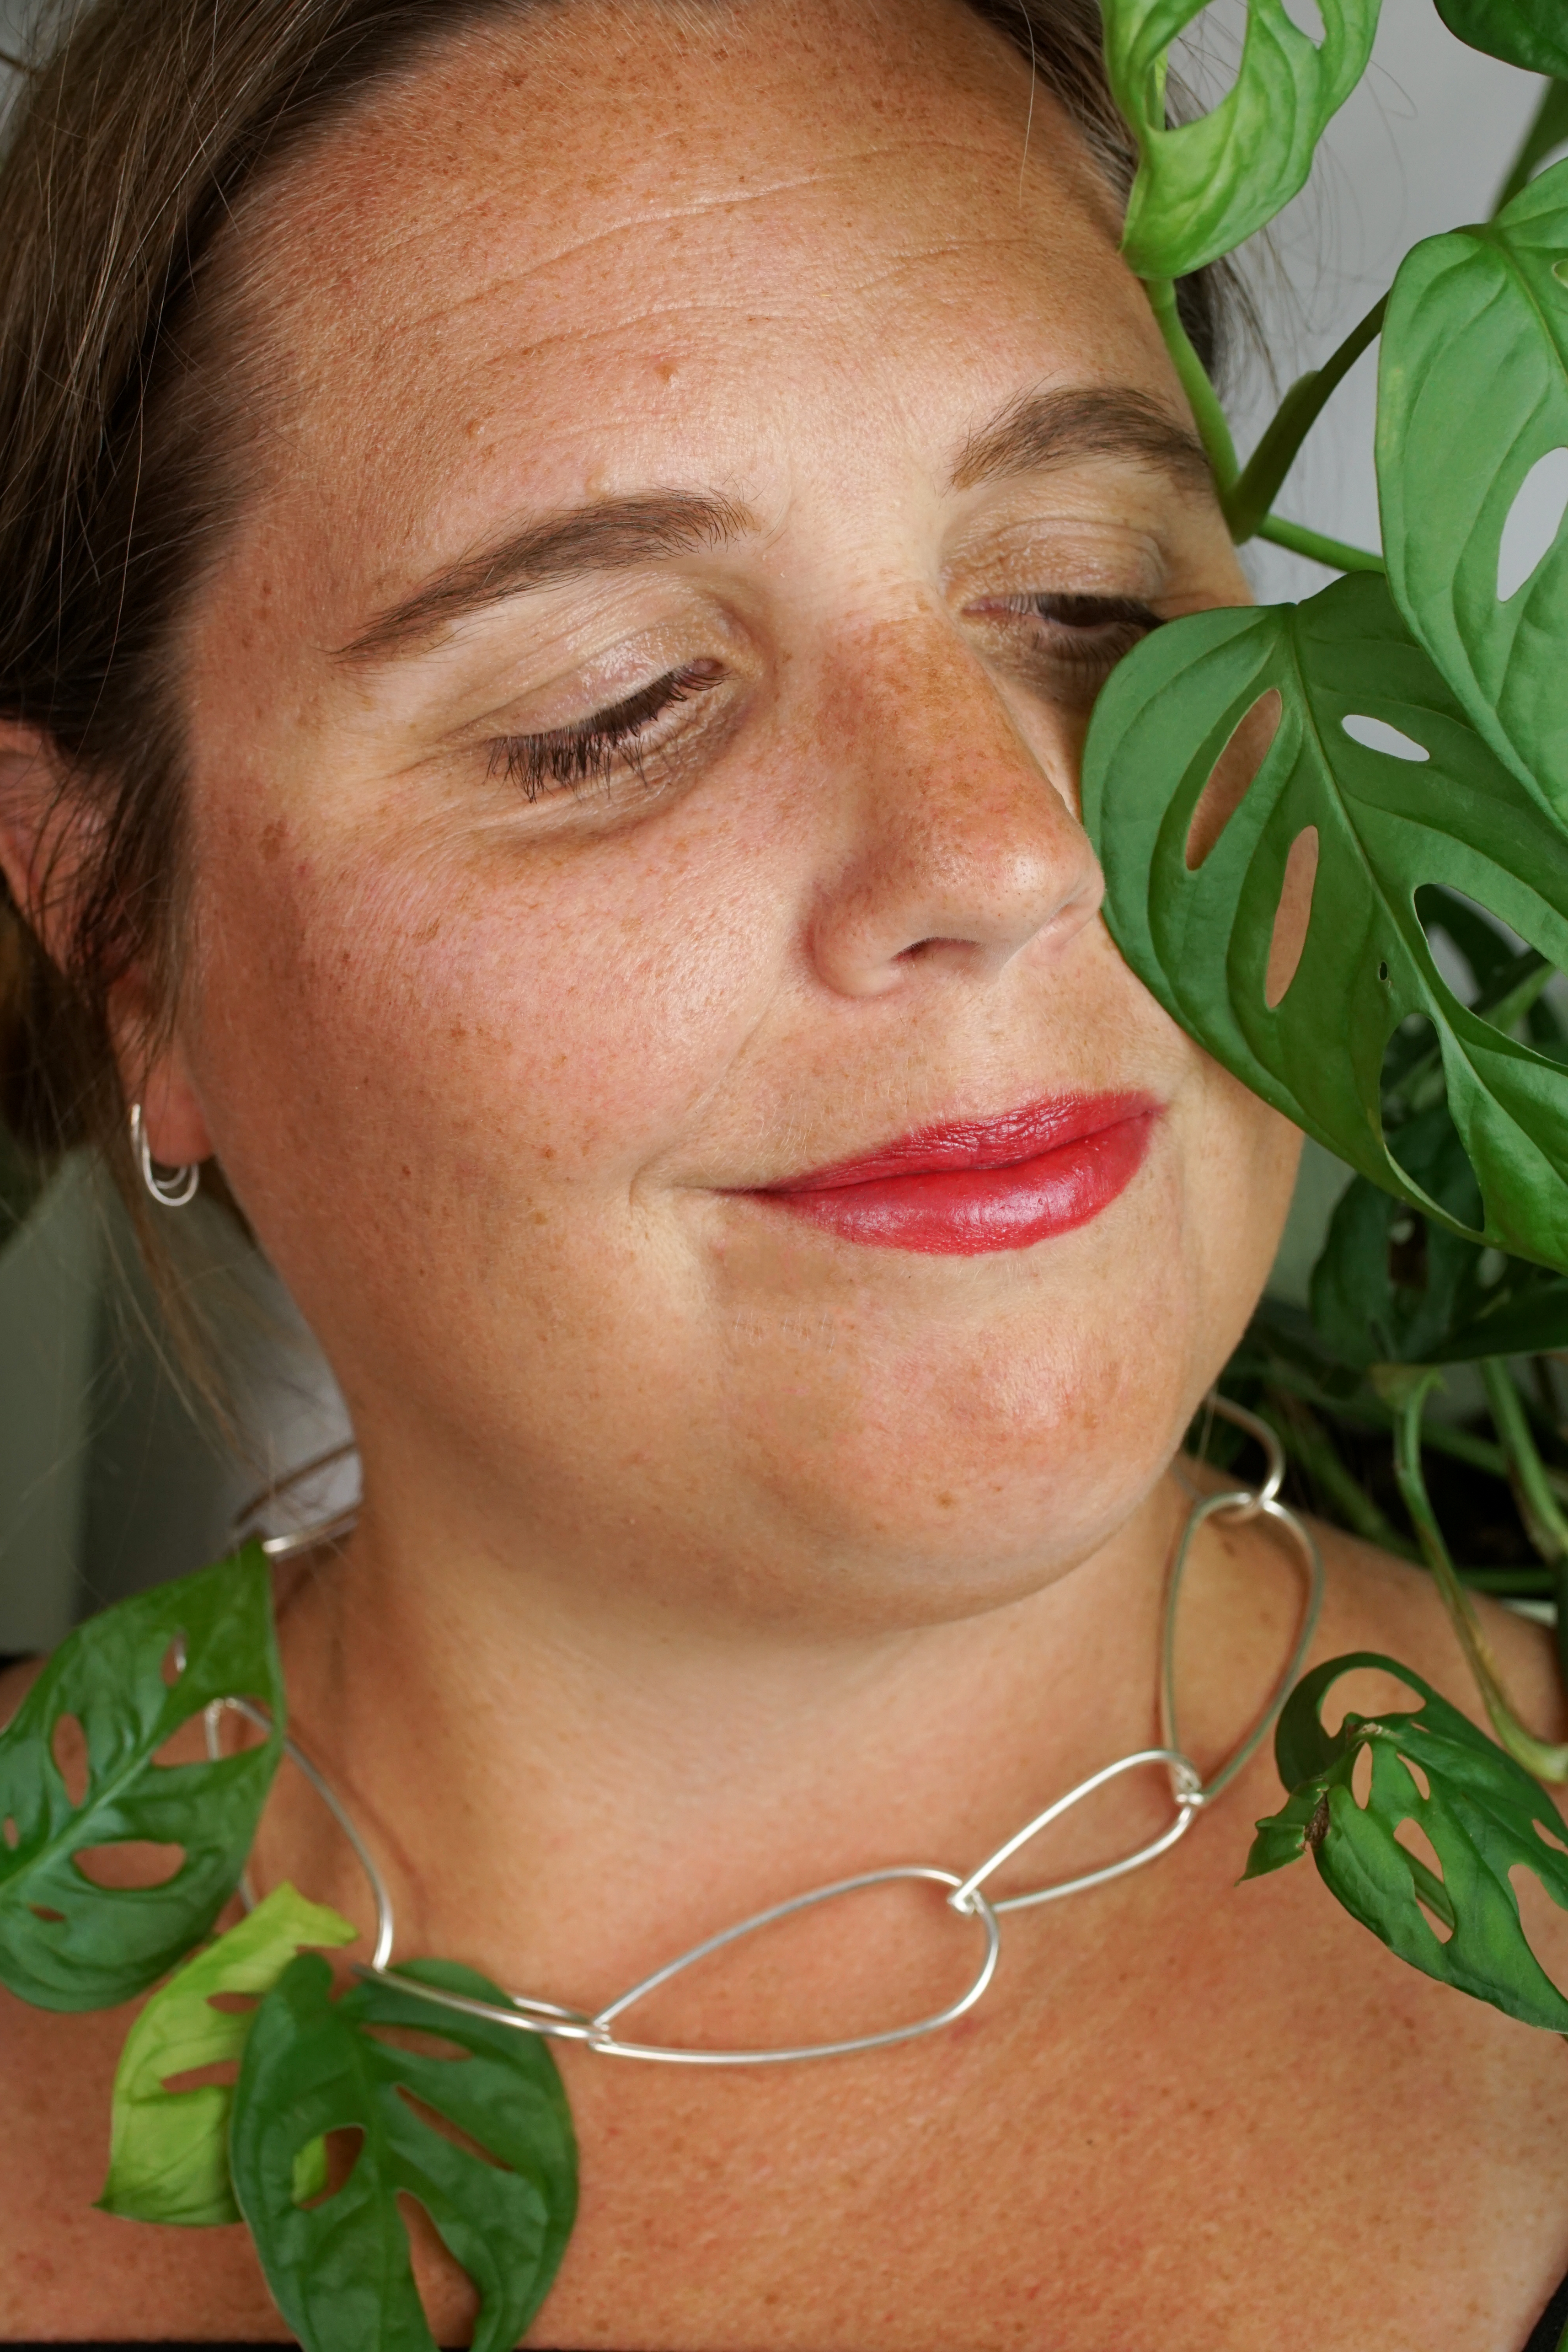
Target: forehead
[[575, 237]]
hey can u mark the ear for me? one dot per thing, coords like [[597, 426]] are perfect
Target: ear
[[29, 788], [40, 854], [172, 1119]]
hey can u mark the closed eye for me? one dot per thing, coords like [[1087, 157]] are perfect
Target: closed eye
[[1093, 621], [1069, 644], [623, 735]]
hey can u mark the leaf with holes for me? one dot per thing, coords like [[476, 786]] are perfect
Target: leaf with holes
[[1529, 33], [168, 2149], [340, 2269], [1482, 1813], [1204, 186], [1391, 1287], [1294, 948], [66, 1942], [1472, 471], [1511, 989], [1489, 955]]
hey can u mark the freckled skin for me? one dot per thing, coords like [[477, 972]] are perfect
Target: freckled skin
[[706, 1557], [875, 909]]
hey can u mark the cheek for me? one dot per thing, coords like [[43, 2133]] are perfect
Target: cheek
[[1011, 1408], [1243, 1166], [456, 1026], [449, 1086]]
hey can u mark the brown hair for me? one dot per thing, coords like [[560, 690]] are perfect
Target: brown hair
[[129, 144]]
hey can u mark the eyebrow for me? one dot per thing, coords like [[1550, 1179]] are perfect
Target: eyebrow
[[610, 535], [1041, 430], [1035, 432]]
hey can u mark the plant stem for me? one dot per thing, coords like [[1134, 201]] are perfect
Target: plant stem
[[1460, 1444], [1215, 432], [1544, 1523], [1521, 1583], [1408, 1392], [1202, 398], [1310, 1445], [1334, 552], [1528, 1476], [1248, 502], [1548, 129], [1504, 1001], [1478, 1453]]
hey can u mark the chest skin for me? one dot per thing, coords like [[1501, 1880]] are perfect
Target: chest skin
[[1190, 2116]]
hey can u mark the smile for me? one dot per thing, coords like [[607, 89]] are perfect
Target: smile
[[968, 1186]]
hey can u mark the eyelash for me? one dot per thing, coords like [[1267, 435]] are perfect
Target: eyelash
[[569, 757], [1120, 621]]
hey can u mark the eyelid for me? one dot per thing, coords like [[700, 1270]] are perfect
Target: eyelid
[[1031, 542], [1082, 610], [598, 652], [571, 755], [568, 756]]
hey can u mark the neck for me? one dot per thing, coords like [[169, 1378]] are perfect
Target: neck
[[510, 1751]]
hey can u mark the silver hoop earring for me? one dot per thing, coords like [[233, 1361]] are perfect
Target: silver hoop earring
[[176, 1188], [247, 1525]]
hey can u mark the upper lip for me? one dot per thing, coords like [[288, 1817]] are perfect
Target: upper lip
[[1002, 1139]]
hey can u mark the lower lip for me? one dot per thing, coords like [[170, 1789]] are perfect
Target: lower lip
[[968, 1212]]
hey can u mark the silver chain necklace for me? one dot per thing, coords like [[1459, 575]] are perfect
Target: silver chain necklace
[[963, 1892]]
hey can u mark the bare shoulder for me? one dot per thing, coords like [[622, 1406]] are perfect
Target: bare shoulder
[[68, 2271], [1373, 1602], [54, 2074]]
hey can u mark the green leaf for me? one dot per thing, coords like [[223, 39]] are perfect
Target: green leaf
[[1526, 1316], [1529, 33], [1374, 1301], [169, 2150], [1472, 394], [1205, 185], [1484, 1816], [65, 1943], [1512, 993], [339, 2271], [1391, 1287], [1200, 937], [1489, 955], [1548, 129]]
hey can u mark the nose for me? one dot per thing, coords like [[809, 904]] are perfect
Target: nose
[[956, 848]]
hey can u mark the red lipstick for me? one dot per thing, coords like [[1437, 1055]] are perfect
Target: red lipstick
[[977, 1184]]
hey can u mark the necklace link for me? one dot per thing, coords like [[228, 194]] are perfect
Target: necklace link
[[1187, 1791], [668, 2054], [1190, 1795]]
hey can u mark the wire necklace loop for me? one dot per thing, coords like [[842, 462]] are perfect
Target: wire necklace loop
[[962, 1896]]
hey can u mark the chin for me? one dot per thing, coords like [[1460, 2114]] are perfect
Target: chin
[[966, 1478]]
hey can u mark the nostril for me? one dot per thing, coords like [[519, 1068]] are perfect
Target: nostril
[[921, 951]]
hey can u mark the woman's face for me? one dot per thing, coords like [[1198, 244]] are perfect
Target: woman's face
[[749, 374]]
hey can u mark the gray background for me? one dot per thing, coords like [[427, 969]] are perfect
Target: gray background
[[107, 1480]]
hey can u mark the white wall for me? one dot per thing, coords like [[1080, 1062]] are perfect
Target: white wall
[[1421, 147]]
